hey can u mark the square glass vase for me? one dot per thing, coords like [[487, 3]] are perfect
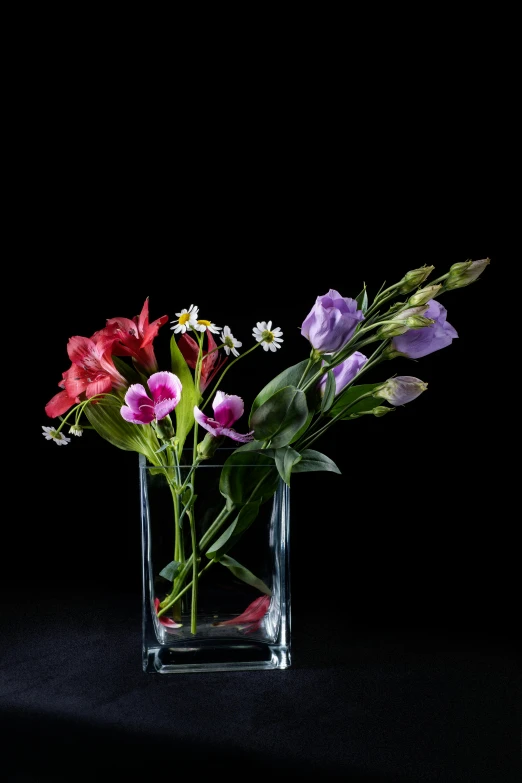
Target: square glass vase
[[238, 616]]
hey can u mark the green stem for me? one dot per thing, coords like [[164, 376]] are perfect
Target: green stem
[[308, 441], [221, 518], [227, 368], [194, 602], [307, 438], [188, 585], [303, 376]]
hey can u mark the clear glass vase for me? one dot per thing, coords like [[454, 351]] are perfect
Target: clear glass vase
[[238, 616]]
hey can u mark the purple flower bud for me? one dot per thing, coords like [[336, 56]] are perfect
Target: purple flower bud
[[416, 343], [400, 390], [331, 322], [345, 372]]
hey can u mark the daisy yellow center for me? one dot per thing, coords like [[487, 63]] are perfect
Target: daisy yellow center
[[267, 336], [229, 341], [184, 318], [205, 323]]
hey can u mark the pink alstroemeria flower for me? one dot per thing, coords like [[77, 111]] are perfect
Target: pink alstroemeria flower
[[228, 408], [134, 337], [251, 619], [92, 372], [210, 365], [168, 622], [166, 393]]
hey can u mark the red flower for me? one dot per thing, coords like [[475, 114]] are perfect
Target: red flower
[[251, 619], [92, 372], [210, 365], [134, 338]]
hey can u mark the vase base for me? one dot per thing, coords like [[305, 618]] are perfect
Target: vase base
[[212, 657]]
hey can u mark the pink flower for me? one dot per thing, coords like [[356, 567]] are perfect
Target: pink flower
[[251, 619], [168, 622], [228, 408], [92, 372], [166, 393]]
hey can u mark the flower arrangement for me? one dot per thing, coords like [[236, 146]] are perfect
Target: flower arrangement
[[115, 387]]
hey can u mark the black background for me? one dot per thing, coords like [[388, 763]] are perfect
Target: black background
[[250, 193]]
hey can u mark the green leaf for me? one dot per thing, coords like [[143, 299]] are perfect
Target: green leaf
[[289, 377], [280, 417], [129, 373], [104, 415], [227, 539], [312, 460], [303, 429], [251, 445], [285, 460], [248, 477], [244, 574], [189, 395], [170, 570], [351, 394], [362, 300], [329, 392]]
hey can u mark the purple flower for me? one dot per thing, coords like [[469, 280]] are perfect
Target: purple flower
[[402, 389], [345, 372], [228, 408], [166, 393], [416, 343], [331, 322]]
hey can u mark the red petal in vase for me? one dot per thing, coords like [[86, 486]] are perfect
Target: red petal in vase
[[168, 622], [251, 619]]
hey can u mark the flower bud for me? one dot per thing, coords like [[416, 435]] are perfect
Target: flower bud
[[424, 295], [378, 411], [400, 390], [418, 321], [208, 445], [388, 331], [403, 315], [462, 274], [411, 318], [391, 353], [164, 428], [414, 279]]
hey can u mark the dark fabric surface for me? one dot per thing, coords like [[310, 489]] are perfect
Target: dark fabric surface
[[360, 704]]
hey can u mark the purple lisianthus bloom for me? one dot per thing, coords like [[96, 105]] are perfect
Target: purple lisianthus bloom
[[228, 408], [331, 322], [402, 389], [166, 393], [345, 372], [416, 343]]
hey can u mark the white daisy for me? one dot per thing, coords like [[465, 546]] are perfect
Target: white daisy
[[230, 341], [76, 430], [59, 438], [203, 325], [270, 338], [187, 319]]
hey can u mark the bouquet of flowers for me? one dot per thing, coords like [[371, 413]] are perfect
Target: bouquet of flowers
[[115, 387]]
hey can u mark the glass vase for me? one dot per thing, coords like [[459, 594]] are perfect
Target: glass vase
[[238, 615]]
